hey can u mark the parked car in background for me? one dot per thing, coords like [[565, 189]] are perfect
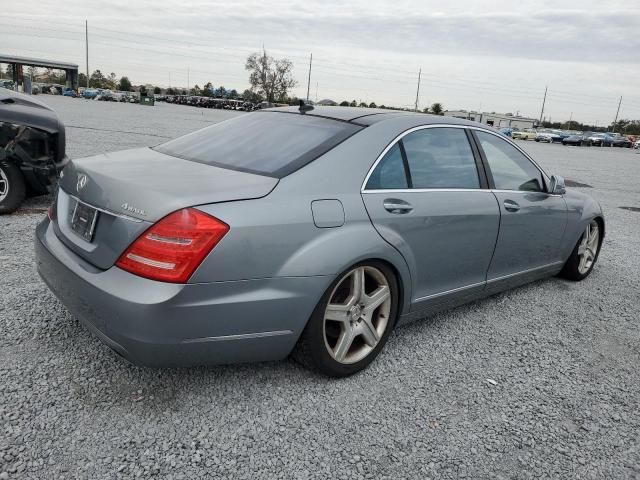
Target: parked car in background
[[636, 144], [578, 139], [69, 92], [622, 142], [507, 132], [601, 139], [549, 136], [90, 93], [105, 96], [526, 134], [32, 148], [315, 234]]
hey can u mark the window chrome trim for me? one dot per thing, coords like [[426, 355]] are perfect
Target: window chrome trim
[[399, 137], [496, 190], [105, 211], [425, 190], [428, 190]]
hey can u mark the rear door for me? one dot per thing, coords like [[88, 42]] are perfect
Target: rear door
[[427, 196], [532, 221]]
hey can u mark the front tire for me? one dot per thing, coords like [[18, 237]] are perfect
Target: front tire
[[352, 322], [585, 254], [12, 187]]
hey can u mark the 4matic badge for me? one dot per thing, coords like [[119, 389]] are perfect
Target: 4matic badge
[[130, 208]]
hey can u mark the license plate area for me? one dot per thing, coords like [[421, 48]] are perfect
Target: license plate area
[[83, 220]]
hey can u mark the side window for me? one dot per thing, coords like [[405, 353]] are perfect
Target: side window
[[510, 168], [441, 158], [389, 173]]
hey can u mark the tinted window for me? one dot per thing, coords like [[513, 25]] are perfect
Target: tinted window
[[440, 158], [510, 168], [390, 172], [270, 143]]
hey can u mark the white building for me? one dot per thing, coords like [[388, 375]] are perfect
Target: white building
[[497, 120]]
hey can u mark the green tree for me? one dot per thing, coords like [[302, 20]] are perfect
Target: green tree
[[143, 90], [353, 103], [270, 77], [373, 105], [110, 82], [157, 90], [207, 89], [437, 109], [233, 93], [344, 103], [97, 80], [220, 92], [170, 91], [82, 80], [195, 90], [124, 85], [250, 96]]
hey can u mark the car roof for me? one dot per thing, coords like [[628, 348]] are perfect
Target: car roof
[[369, 116]]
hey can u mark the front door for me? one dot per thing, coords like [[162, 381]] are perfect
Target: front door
[[427, 199], [532, 221]]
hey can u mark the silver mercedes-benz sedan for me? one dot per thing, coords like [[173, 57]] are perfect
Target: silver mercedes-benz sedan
[[307, 233]]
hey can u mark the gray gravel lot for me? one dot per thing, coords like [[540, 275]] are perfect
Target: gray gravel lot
[[563, 359]]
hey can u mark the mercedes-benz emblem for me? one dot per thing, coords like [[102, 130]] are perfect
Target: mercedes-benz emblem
[[82, 182]]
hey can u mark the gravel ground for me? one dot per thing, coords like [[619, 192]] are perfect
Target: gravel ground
[[538, 382]]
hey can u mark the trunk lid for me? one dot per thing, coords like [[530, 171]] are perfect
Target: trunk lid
[[133, 189]]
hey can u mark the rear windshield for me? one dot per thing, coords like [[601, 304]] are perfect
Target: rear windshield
[[266, 143]]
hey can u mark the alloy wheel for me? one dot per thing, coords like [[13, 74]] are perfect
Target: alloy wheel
[[357, 314], [588, 248], [4, 185]]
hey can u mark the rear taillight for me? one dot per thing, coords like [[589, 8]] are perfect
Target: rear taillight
[[173, 248]]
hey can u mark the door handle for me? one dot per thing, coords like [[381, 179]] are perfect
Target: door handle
[[394, 205], [511, 206]]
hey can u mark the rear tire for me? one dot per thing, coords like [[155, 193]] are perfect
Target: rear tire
[[585, 254], [12, 187], [352, 321]]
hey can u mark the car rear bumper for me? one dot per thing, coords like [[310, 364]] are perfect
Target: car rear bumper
[[166, 325]]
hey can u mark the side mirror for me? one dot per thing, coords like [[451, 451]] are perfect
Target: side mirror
[[556, 185]]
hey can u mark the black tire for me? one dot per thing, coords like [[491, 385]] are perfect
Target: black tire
[[570, 271], [17, 189], [311, 351]]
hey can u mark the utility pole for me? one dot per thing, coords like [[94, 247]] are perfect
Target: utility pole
[[86, 45], [316, 92], [309, 79], [617, 112], [188, 89], [570, 119], [544, 100], [418, 89]]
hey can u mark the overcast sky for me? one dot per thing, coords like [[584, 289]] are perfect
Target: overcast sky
[[474, 54]]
